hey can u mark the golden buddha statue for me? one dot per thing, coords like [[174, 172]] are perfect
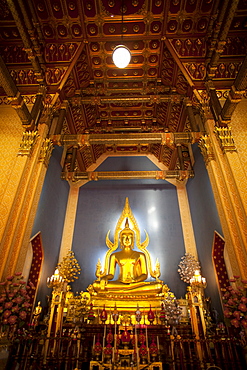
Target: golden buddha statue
[[134, 266]]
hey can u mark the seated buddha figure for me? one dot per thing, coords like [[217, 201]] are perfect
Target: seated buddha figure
[[133, 269]]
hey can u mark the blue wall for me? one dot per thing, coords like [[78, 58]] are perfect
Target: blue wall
[[205, 221], [155, 207], [50, 219]]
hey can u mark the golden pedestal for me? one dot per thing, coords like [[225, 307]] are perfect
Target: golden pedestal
[[127, 305], [95, 365]]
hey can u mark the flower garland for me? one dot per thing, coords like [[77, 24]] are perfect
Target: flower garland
[[235, 304], [14, 300]]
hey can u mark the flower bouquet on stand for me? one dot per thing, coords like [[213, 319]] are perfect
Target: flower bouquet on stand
[[14, 304], [235, 306]]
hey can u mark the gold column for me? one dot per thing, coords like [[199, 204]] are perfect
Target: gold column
[[32, 159], [187, 227], [225, 182], [69, 223]]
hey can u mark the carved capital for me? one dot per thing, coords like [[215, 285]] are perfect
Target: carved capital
[[224, 136], [206, 149], [29, 139], [45, 151]]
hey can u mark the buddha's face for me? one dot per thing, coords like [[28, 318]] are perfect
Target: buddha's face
[[127, 239]]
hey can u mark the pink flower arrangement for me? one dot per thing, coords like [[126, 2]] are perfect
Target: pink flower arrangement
[[235, 304], [14, 300]]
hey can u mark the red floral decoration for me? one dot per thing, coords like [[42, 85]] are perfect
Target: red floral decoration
[[14, 300], [235, 304]]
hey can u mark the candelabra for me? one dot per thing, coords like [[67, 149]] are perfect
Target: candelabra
[[198, 281], [55, 281], [196, 302]]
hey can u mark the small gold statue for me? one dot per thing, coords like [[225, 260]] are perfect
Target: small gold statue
[[69, 295], [36, 315]]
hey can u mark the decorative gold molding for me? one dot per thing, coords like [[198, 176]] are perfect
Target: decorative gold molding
[[206, 149], [29, 139], [45, 151], [224, 136], [127, 175]]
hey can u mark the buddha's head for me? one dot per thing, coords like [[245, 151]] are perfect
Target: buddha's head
[[127, 236]]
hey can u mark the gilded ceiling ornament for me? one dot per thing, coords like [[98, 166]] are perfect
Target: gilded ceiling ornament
[[92, 30], [156, 27], [71, 6], [153, 59], [172, 26], [124, 29], [41, 7], [62, 31], [56, 7], [136, 28], [154, 44], [112, 29], [95, 47], [48, 31], [202, 24], [89, 6], [187, 25], [77, 30], [111, 3]]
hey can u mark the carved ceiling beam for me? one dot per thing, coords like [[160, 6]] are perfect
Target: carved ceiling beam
[[61, 117], [99, 100], [236, 93], [167, 138], [174, 54], [31, 30], [14, 95], [192, 118], [217, 20], [38, 106], [214, 100], [18, 18], [223, 115], [68, 71], [128, 175], [229, 14]]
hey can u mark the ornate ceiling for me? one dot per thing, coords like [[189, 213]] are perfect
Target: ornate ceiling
[[61, 50]]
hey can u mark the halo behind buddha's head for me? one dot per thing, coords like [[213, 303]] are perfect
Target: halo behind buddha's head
[[128, 231]]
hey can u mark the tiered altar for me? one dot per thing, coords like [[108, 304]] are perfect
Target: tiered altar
[[126, 306], [127, 319]]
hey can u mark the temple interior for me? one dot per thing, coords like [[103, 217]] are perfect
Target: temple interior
[[123, 191]]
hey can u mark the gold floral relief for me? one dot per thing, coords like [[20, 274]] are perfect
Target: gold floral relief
[[10, 137]]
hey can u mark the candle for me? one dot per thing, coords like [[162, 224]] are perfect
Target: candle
[[137, 352]]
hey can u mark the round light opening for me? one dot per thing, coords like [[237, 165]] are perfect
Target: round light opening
[[121, 56]]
